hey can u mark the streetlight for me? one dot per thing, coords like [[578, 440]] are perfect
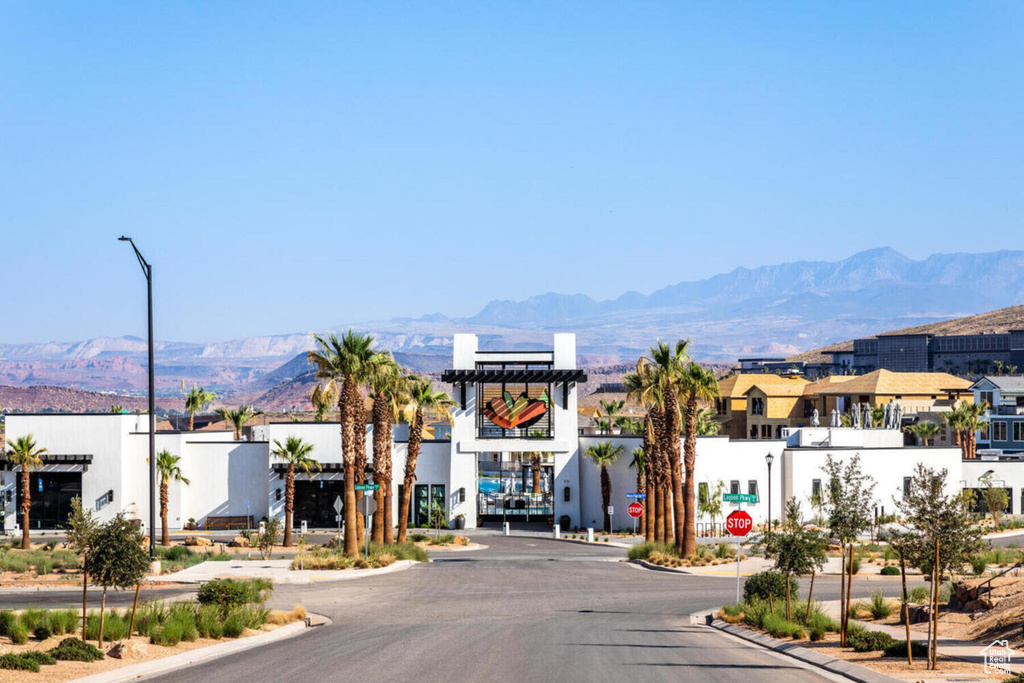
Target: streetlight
[[769, 459], [147, 270]]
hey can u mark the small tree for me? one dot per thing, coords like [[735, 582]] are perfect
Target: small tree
[[947, 538], [603, 455], [267, 537], [116, 559], [82, 528], [923, 431], [994, 499], [847, 506], [794, 549], [296, 455], [710, 503], [169, 470]]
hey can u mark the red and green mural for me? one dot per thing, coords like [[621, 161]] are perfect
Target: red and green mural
[[516, 413]]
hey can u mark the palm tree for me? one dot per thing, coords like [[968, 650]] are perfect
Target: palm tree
[[697, 386], [974, 420], [346, 361], [536, 462], [322, 397], [398, 400], [707, 425], [168, 469], [609, 408], [955, 420], [639, 463], [604, 454], [923, 431], [238, 417], [422, 398], [196, 401], [641, 386], [381, 379], [25, 454], [670, 364], [295, 453]]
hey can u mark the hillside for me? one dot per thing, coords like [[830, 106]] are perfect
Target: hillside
[[67, 400], [992, 322]]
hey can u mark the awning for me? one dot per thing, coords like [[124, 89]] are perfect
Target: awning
[[512, 376], [52, 459]]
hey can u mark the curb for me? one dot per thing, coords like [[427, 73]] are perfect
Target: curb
[[680, 570], [204, 654], [299, 579], [854, 672]]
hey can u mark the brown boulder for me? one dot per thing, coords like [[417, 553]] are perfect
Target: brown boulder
[[197, 541], [979, 605], [127, 649], [239, 542]]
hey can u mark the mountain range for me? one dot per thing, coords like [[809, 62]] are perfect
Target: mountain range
[[779, 310]]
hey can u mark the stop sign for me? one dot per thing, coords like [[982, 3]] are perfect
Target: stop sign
[[635, 509], [739, 523]]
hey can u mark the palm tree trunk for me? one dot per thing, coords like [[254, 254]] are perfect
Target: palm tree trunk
[[659, 514], [165, 534], [536, 478], [415, 439], [388, 521], [689, 540], [26, 504], [289, 504], [359, 438], [191, 422], [606, 494], [649, 511], [348, 446], [381, 442]]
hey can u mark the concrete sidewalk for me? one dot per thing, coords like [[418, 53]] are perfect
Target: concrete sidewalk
[[277, 571]]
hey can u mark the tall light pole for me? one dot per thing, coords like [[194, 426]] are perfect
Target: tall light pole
[[769, 459], [147, 270]]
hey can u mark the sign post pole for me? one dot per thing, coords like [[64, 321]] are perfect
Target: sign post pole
[[366, 535], [739, 524], [635, 509]]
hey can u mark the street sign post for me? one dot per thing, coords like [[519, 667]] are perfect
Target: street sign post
[[337, 517], [635, 509], [739, 497], [367, 506], [637, 496], [367, 487], [739, 524]]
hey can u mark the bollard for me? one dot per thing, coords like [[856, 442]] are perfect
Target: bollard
[[590, 535], [508, 529], [558, 531]]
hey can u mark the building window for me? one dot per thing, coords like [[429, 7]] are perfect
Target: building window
[[756, 405], [816, 489], [1018, 430], [906, 486], [999, 430], [985, 397], [752, 488], [734, 486], [808, 407], [766, 431]]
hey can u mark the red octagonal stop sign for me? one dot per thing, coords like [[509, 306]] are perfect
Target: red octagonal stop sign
[[635, 509], [739, 523]]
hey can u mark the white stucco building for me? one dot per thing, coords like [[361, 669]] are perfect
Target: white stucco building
[[509, 405]]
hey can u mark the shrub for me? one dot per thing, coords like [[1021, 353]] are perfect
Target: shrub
[[8, 620], [233, 625], [443, 539], [733, 610], [180, 625], [816, 633], [898, 648], [42, 632], [978, 564], [918, 595], [419, 538], [870, 641], [17, 662], [758, 585], [115, 626], [777, 627], [856, 565], [890, 571], [400, 551], [208, 622], [64, 621], [228, 593], [820, 621], [33, 618], [40, 657], [280, 617], [75, 650], [755, 611], [19, 634], [643, 551], [880, 609]]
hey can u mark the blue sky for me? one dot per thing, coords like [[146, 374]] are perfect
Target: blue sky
[[291, 166]]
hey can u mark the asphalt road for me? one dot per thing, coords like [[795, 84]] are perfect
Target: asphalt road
[[527, 609]]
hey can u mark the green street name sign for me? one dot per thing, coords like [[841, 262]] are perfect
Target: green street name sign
[[367, 487], [739, 497]]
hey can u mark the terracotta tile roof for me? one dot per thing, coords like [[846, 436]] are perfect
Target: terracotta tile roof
[[886, 382]]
